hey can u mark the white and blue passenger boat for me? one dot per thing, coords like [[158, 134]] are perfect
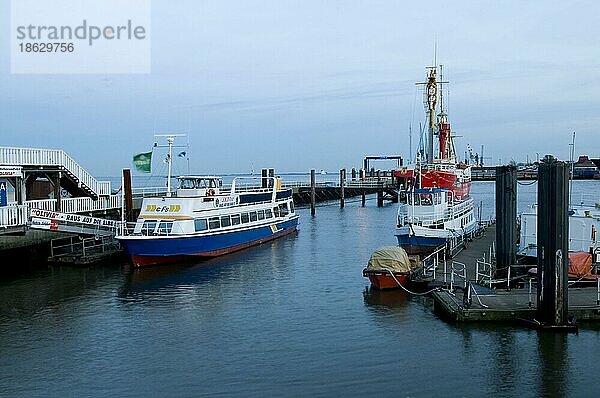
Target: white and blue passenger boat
[[205, 220]]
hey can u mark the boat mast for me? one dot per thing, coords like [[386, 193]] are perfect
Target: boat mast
[[431, 93], [170, 140]]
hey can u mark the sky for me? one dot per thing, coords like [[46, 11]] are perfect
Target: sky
[[296, 85]]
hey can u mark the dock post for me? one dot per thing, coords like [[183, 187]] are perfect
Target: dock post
[[363, 195], [506, 217], [313, 187], [342, 183], [56, 183], [263, 178], [379, 197], [353, 174], [553, 243], [128, 216], [271, 183]]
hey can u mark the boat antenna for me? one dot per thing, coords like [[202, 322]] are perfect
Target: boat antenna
[[572, 145], [170, 140], [410, 141]]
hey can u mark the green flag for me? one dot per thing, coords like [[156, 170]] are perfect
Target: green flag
[[143, 162]]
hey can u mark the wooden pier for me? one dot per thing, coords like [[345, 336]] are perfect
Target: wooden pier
[[467, 296]]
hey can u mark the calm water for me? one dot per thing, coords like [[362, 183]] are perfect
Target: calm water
[[288, 318]]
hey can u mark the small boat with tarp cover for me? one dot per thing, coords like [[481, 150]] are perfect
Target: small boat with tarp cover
[[389, 267]]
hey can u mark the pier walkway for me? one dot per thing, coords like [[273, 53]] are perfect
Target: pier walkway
[[472, 294]]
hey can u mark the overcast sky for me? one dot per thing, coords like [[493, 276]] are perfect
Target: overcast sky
[[320, 84]]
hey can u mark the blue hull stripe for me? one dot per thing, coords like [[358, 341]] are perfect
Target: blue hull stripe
[[411, 240], [197, 245]]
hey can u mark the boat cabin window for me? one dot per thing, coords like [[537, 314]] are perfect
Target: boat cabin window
[[268, 213], [235, 219], [261, 214], [214, 223], [283, 209], [148, 227], [253, 216], [200, 224], [199, 183], [225, 221], [165, 227], [245, 218]]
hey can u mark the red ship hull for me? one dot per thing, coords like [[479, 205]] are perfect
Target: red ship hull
[[383, 280]]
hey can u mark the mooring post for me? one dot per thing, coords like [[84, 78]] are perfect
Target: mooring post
[[553, 242], [506, 218], [362, 188], [56, 183], [379, 197], [271, 182], [313, 188], [127, 195], [264, 178], [342, 183]]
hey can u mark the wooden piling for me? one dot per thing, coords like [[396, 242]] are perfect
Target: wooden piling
[[264, 180], [342, 183], [313, 188], [56, 183], [506, 218], [272, 175], [379, 197], [128, 197], [553, 242]]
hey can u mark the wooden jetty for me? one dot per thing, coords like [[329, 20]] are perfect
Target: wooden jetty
[[471, 299]]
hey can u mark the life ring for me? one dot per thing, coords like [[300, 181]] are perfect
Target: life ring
[[210, 192]]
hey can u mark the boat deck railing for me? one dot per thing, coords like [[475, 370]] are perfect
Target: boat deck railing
[[435, 216]]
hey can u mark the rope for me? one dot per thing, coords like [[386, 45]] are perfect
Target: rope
[[526, 183], [413, 293]]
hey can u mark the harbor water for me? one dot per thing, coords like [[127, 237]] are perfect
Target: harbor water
[[292, 317]]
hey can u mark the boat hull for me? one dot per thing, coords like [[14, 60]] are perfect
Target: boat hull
[[382, 280], [419, 244], [163, 250]]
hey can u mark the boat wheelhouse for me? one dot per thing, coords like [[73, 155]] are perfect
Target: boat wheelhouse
[[432, 216], [205, 220]]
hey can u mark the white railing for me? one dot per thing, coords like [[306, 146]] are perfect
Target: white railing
[[150, 191], [13, 216], [367, 183], [77, 205], [458, 270], [52, 157]]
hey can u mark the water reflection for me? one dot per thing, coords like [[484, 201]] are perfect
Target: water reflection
[[46, 289], [249, 266], [554, 364]]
